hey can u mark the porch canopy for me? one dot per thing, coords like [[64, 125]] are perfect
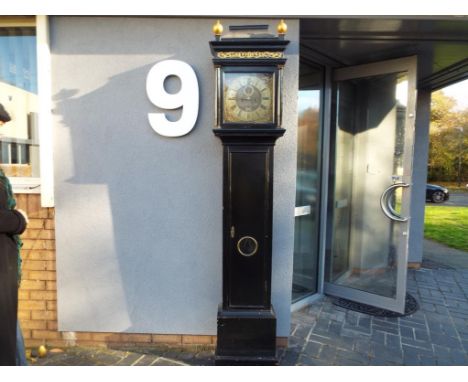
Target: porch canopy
[[441, 44]]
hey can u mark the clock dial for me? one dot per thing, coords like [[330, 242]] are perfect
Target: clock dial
[[248, 98]]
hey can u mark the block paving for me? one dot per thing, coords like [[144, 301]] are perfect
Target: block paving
[[437, 334], [324, 334]]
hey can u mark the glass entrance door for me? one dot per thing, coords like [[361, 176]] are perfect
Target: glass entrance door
[[370, 176], [306, 226]]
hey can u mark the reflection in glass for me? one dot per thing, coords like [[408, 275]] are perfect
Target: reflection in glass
[[369, 147], [307, 185], [19, 154]]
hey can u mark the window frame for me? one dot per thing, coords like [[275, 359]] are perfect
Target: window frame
[[42, 185]]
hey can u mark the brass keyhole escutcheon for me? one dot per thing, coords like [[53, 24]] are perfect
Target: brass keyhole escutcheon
[[247, 246]]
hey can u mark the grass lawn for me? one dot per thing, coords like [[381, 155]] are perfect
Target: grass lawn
[[447, 225]]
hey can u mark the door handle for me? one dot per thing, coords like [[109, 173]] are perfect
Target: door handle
[[386, 206]]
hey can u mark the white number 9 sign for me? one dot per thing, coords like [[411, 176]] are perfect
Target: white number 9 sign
[[187, 98]]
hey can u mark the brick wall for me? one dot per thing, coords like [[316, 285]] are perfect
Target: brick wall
[[38, 293]]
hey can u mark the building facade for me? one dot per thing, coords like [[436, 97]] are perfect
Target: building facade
[[125, 239]]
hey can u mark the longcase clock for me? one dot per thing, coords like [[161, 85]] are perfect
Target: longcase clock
[[248, 118]]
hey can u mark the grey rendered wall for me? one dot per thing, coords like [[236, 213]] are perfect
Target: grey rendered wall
[[418, 193], [138, 215]]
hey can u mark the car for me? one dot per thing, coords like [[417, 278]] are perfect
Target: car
[[436, 194]]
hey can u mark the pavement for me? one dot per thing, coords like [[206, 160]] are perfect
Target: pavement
[[324, 334], [131, 356], [437, 334], [436, 255]]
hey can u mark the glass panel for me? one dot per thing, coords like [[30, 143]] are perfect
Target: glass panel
[[368, 157], [307, 184], [18, 102]]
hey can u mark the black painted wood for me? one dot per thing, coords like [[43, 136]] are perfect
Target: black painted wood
[[247, 202], [246, 337], [246, 318], [245, 44], [248, 27]]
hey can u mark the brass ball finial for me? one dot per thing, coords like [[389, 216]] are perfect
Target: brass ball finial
[[42, 351], [282, 28], [218, 29]]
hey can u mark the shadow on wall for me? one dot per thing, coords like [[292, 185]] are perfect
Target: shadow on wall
[[138, 215]]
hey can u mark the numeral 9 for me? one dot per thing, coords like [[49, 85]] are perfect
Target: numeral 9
[[187, 97]]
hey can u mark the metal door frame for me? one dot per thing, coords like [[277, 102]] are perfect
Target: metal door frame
[[409, 65], [324, 157]]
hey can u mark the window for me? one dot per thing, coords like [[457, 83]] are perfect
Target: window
[[25, 98], [18, 96]]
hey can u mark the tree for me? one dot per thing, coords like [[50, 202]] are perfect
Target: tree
[[448, 140]]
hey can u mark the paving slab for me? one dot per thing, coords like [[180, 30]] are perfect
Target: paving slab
[[324, 334]]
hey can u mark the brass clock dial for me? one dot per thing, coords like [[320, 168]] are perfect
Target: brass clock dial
[[248, 98]]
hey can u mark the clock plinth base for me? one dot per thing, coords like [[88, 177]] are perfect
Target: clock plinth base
[[246, 337], [245, 361]]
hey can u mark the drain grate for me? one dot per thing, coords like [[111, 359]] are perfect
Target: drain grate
[[411, 306]]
